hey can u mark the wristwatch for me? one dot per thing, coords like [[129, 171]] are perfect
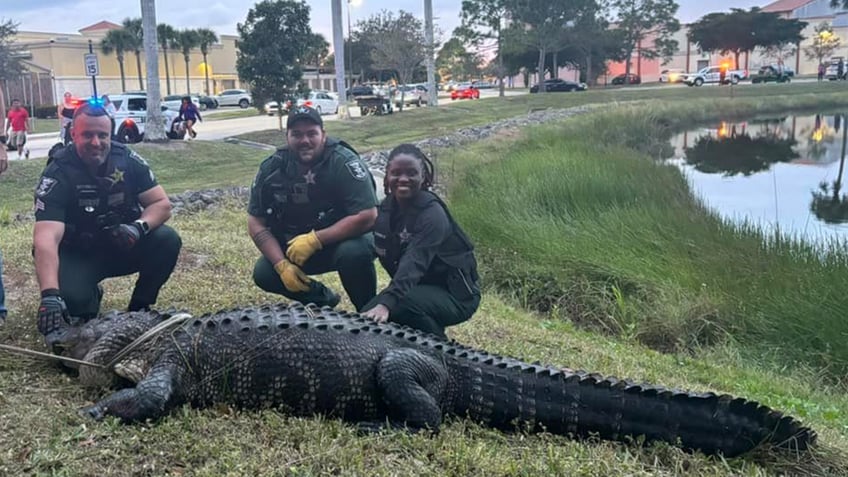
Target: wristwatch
[[143, 226]]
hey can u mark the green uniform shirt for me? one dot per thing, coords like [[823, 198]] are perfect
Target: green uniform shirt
[[336, 185], [56, 193]]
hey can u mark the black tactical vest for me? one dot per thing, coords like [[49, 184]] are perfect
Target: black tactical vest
[[454, 266], [97, 202], [292, 207]]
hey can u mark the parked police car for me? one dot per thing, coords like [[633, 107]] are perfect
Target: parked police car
[[131, 115]]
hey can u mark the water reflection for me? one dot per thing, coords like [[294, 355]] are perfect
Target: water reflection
[[827, 203], [784, 173], [734, 151]]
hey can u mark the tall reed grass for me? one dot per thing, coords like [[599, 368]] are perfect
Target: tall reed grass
[[581, 219]]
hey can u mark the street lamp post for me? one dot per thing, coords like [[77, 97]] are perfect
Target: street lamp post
[[350, 3]]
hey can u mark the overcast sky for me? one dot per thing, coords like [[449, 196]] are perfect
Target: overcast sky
[[68, 16]]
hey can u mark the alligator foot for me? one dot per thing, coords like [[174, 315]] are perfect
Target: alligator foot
[[93, 412]]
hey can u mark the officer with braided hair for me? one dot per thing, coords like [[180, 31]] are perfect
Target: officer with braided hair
[[99, 213], [312, 207], [430, 259]]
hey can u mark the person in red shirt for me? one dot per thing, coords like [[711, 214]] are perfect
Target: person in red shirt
[[18, 124]]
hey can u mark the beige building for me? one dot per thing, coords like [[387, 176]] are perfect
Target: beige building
[[812, 12], [56, 64]]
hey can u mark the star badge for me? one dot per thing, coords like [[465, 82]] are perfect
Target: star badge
[[404, 235], [310, 177], [117, 176]]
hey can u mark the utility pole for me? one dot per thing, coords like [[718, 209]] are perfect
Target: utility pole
[[154, 127], [431, 61], [338, 50]]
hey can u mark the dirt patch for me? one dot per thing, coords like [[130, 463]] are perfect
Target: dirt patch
[[191, 260], [508, 134]]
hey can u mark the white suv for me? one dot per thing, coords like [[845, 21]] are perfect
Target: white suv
[[234, 97], [131, 114]]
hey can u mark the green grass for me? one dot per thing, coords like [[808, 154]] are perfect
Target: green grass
[[599, 233], [43, 435], [40, 126], [634, 214], [382, 132], [230, 114]]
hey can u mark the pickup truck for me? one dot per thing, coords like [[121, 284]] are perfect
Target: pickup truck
[[712, 74]]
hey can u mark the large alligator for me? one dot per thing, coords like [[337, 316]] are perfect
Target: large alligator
[[306, 360]]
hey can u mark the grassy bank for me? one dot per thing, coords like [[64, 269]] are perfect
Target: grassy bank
[[596, 231], [627, 260], [41, 433], [373, 132]]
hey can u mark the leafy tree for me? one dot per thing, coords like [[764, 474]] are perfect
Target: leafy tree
[[273, 67], [825, 42], [742, 31], [120, 41], [483, 20], [205, 39], [779, 37], [542, 24], [166, 36], [187, 40], [640, 20], [455, 61], [136, 32], [397, 43], [520, 59], [10, 64], [317, 53], [590, 44]]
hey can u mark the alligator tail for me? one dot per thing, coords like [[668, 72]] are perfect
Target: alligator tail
[[506, 393]]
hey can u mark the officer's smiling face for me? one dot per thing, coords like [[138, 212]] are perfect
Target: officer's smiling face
[[306, 139], [405, 176], [92, 138]]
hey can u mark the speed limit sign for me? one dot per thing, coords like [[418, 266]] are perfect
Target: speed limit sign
[[91, 66]]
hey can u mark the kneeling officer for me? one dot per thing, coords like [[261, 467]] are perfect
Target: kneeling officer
[[99, 213], [312, 206]]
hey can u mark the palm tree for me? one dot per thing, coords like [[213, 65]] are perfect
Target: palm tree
[[133, 26], [206, 38], [165, 34], [119, 41], [187, 40]]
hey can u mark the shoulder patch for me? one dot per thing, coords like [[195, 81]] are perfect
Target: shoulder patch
[[134, 156], [45, 186], [357, 170]]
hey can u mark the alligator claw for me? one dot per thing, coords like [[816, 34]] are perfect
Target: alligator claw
[[94, 412]]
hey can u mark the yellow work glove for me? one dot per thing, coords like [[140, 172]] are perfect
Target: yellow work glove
[[292, 276], [302, 247]]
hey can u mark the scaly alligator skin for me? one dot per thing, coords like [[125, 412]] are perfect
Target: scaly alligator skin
[[305, 361]]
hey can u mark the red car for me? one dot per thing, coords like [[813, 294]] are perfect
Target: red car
[[466, 92]]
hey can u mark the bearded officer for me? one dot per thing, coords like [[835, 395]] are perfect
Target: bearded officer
[[99, 213], [312, 206]]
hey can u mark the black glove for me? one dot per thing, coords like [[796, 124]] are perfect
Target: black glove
[[52, 312], [125, 236]]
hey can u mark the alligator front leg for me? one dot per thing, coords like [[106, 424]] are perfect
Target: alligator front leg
[[412, 385], [150, 399]]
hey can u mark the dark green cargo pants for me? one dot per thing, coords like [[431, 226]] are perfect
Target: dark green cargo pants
[[80, 272], [430, 308], [353, 259]]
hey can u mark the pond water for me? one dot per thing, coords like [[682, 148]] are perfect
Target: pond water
[[785, 174]]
